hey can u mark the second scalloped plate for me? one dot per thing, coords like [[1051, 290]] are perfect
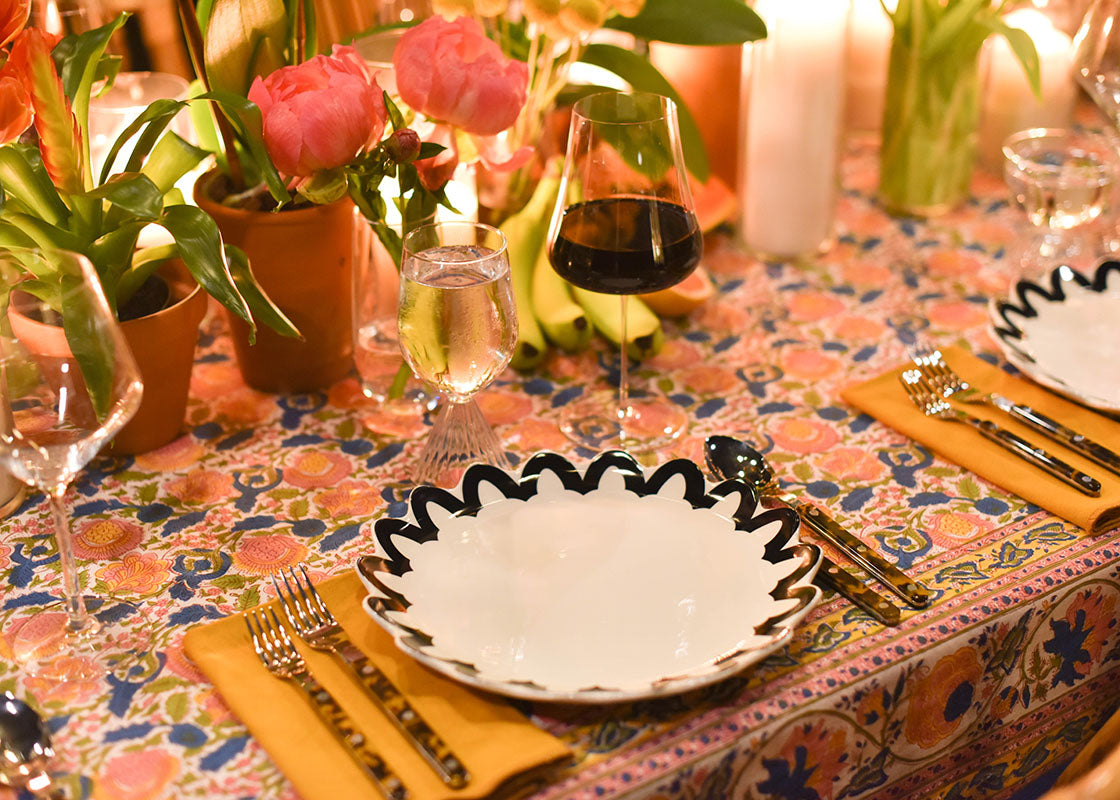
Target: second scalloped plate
[[604, 584], [1063, 333]]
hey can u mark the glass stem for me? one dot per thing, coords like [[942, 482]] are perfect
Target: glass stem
[[623, 372], [71, 589]]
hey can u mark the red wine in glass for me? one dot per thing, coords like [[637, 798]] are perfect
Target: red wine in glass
[[626, 245]]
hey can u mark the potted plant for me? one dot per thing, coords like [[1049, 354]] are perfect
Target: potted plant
[[293, 184], [52, 201]]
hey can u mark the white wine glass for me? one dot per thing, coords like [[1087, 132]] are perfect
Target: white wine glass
[[69, 391], [624, 224], [457, 325]]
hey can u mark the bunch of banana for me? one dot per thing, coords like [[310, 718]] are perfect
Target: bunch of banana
[[549, 309]]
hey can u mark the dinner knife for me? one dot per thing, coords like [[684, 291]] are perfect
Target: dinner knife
[[1058, 432]]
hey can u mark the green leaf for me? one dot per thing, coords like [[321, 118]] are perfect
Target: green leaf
[[245, 118], [177, 707], [156, 117], [144, 262], [200, 247], [172, 158], [693, 22], [952, 25], [132, 192], [43, 234], [325, 186], [89, 341], [24, 177], [643, 76], [111, 254], [1023, 47], [263, 307]]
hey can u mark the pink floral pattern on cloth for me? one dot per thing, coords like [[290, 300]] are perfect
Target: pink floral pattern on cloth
[[1011, 670]]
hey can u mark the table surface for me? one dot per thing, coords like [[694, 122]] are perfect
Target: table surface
[[1014, 666]]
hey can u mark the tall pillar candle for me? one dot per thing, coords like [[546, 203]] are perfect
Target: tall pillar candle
[[869, 47], [1008, 103], [794, 97]]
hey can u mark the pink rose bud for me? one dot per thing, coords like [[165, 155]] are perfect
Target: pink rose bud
[[403, 145], [319, 114], [452, 73]]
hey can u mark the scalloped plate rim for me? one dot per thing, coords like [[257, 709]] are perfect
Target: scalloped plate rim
[[697, 676], [1006, 333]]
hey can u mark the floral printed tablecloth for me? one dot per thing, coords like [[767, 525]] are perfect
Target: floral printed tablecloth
[[1014, 666]]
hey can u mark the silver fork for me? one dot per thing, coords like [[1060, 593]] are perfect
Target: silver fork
[[934, 405], [949, 384], [314, 622], [278, 654]]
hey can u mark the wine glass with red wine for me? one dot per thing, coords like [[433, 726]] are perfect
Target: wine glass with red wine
[[624, 225]]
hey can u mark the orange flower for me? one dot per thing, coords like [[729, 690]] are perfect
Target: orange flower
[[940, 697], [137, 573], [804, 436], [863, 273], [537, 434], [952, 263], [502, 407], [827, 753], [852, 462], [263, 555], [676, 354], [723, 317], [202, 487], [859, 328], [15, 108], [958, 315], [316, 469], [350, 499], [809, 364], [180, 454], [710, 380], [13, 16], [1097, 610], [180, 665], [813, 306], [950, 529], [106, 538], [137, 775]]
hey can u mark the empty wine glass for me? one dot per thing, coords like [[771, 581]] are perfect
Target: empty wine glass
[[70, 391], [1096, 66], [1064, 181], [458, 326], [624, 224]]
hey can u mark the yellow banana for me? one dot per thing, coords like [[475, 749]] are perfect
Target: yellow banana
[[525, 237], [562, 318], [644, 334]]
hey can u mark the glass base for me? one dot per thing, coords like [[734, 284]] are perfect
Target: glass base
[[648, 424], [117, 638], [460, 436]]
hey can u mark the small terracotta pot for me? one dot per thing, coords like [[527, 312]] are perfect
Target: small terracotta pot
[[163, 346], [302, 259]]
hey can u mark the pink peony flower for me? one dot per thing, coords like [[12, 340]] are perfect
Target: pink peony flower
[[451, 72], [319, 114]]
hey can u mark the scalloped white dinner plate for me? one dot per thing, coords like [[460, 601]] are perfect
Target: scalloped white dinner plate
[[610, 583], [1063, 333]]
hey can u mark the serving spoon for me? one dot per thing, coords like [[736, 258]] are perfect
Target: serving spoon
[[732, 459], [25, 749]]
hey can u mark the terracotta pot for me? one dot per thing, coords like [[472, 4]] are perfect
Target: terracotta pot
[[163, 345], [302, 259]]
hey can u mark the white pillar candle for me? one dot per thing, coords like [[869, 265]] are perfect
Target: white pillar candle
[[794, 96], [1009, 105], [869, 48]]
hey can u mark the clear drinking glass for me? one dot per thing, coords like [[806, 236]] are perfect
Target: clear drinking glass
[[66, 403], [458, 327], [1064, 181], [624, 224]]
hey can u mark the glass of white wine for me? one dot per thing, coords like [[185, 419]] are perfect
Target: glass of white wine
[[457, 325], [1063, 180]]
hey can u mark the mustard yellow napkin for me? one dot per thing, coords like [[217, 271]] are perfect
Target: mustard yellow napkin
[[502, 749], [885, 399]]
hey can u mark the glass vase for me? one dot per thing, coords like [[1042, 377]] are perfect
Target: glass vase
[[929, 132]]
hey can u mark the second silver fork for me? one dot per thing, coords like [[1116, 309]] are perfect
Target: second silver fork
[[933, 405], [313, 621], [949, 384]]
